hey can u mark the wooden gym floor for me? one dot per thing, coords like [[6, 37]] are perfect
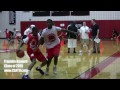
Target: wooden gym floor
[[70, 66]]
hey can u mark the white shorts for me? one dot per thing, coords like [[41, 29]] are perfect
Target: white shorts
[[72, 43]]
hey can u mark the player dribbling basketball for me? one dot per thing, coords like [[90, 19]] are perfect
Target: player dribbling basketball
[[33, 52]]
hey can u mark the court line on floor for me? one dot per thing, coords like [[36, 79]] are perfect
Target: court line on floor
[[7, 50], [99, 67]]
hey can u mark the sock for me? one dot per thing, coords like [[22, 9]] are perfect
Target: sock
[[54, 65], [39, 67], [27, 72]]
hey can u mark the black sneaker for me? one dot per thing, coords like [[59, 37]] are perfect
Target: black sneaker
[[94, 52], [41, 71], [98, 51], [74, 52], [26, 77]]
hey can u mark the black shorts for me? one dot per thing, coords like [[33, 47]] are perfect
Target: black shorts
[[24, 36]]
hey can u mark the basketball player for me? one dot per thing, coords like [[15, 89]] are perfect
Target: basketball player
[[33, 52], [9, 36], [28, 31], [52, 43]]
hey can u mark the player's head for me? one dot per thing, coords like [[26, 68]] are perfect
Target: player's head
[[73, 23], [49, 23], [35, 31]]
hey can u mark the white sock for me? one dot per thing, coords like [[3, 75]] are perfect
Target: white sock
[[54, 65], [27, 72]]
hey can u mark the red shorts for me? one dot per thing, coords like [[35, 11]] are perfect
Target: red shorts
[[36, 55], [53, 51]]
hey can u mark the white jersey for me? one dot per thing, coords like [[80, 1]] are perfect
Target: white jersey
[[51, 37], [27, 31], [82, 31]]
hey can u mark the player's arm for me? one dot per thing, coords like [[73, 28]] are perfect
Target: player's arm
[[24, 41], [64, 30], [20, 45], [40, 42]]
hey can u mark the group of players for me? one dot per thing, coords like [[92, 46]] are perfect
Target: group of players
[[49, 36], [33, 39]]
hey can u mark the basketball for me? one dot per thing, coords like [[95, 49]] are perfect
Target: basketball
[[20, 53]]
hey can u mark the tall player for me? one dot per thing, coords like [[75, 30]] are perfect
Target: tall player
[[33, 52], [52, 43]]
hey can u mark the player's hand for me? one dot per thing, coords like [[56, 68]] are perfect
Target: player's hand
[[18, 50]]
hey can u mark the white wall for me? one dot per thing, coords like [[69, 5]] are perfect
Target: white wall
[[25, 16]]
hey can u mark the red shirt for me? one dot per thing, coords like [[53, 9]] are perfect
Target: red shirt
[[32, 41]]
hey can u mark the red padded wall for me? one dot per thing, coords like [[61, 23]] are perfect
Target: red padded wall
[[106, 26]]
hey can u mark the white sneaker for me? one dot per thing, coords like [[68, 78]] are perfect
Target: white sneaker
[[55, 70], [89, 52], [47, 71], [80, 51]]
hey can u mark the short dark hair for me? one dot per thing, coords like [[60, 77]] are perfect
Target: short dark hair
[[34, 28], [94, 20], [49, 20]]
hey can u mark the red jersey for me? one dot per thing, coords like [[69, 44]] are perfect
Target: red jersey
[[31, 41], [7, 34]]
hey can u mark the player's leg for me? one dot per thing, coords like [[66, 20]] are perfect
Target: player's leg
[[94, 48], [98, 47], [26, 75], [33, 62], [88, 46], [40, 57], [48, 65], [56, 52], [74, 44], [55, 64], [69, 45], [49, 56], [81, 46]]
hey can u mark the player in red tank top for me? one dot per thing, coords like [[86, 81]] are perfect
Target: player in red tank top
[[33, 52]]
